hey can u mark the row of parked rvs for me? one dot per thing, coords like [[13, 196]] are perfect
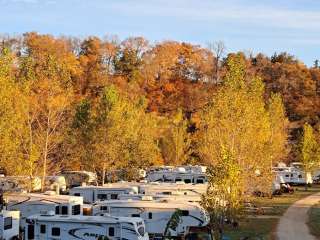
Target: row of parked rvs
[[122, 210], [115, 211]]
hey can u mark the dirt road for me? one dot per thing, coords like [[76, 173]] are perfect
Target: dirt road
[[292, 225]]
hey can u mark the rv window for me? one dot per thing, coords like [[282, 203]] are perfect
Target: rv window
[[102, 196], [111, 231], [135, 215], [166, 193], [64, 210], [114, 196], [42, 229], [57, 210], [187, 180], [7, 223], [141, 231], [150, 215], [30, 232], [185, 213], [104, 208], [55, 231], [77, 194], [200, 181], [76, 210]]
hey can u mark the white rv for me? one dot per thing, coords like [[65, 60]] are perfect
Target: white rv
[[20, 183], [30, 204], [173, 196], [156, 214], [9, 225], [56, 183], [92, 194], [188, 174], [293, 175], [173, 188], [79, 178], [49, 226]]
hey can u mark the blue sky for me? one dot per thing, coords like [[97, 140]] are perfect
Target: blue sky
[[253, 26]]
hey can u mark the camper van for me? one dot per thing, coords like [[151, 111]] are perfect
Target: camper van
[[49, 226], [156, 214], [9, 225], [92, 194], [30, 204]]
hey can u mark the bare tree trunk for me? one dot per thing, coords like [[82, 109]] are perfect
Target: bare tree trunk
[[218, 49], [103, 173], [45, 156]]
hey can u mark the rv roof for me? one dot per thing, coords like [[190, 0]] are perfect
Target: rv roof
[[104, 187], [43, 197], [164, 204]]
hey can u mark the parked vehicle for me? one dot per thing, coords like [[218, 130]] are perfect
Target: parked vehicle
[[173, 188], [79, 178], [30, 204], [156, 214], [199, 233], [9, 225], [56, 183], [174, 196], [20, 183], [49, 226], [187, 174], [92, 194]]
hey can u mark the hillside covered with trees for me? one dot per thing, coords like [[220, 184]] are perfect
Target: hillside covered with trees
[[101, 104]]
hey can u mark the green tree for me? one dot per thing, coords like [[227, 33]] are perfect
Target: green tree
[[236, 136], [124, 135], [176, 141], [309, 149], [224, 196]]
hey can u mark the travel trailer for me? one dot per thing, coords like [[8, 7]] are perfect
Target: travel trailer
[[9, 225], [92, 194], [20, 183], [156, 214], [293, 175], [49, 226], [174, 196], [79, 178], [188, 174], [30, 204], [173, 188]]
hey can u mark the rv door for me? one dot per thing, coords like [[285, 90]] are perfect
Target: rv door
[[30, 232]]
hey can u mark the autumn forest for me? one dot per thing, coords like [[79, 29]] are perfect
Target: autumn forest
[[104, 104]]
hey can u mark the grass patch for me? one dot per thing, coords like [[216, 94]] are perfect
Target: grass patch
[[314, 220], [264, 228], [256, 228]]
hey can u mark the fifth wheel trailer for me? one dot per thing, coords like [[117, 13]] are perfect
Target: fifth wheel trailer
[[30, 204], [156, 214], [49, 226]]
